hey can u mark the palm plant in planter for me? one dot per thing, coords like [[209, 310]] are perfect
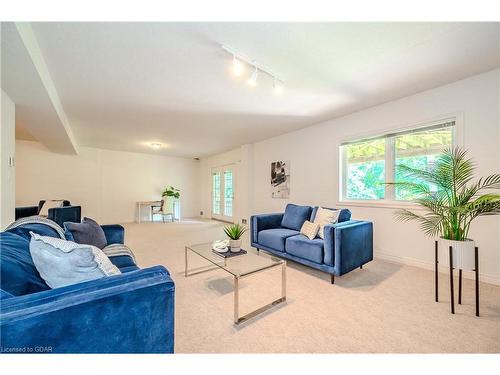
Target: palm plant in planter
[[455, 202], [234, 232]]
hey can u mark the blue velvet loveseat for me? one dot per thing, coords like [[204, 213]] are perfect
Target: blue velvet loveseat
[[128, 313], [347, 244]]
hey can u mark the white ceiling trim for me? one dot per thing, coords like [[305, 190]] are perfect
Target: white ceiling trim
[[31, 44]]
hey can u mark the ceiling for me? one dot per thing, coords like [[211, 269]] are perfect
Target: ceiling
[[126, 85], [39, 115]]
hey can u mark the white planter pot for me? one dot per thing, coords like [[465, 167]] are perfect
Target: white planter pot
[[169, 204], [462, 251], [235, 245]]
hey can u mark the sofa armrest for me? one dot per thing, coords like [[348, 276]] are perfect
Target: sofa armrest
[[348, 245], [26, 211], [262, 222], [114, 233], [127, 313]]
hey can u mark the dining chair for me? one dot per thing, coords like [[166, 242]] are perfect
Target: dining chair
[[161, 210]]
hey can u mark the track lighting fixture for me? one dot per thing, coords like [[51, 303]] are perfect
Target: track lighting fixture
[[238, 67], [277, 87], [240, 62], [252, 81]]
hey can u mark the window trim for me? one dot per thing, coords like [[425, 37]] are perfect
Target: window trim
[[389, 200]]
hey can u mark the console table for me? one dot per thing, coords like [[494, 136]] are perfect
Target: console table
[[148, 204]]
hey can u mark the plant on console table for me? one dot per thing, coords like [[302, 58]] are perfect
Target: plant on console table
[[234, 232], [170, 194], [455, 202]]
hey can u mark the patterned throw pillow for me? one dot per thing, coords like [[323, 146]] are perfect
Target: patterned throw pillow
[[310, 230], [324, 217], [62, 262]]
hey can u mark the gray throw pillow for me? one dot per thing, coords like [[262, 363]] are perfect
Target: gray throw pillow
[[88, 232], [61, 263]]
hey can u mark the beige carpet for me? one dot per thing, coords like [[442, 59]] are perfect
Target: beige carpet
[[383, 308]]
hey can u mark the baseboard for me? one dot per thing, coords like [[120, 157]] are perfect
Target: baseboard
[[430, 266]]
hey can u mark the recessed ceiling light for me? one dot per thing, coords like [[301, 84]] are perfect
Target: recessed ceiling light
[[155, 146]]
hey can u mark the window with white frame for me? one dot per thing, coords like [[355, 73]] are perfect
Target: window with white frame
[[367, 164]]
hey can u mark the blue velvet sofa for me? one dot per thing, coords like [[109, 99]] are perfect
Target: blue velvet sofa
[[347, 245], [128, 313]]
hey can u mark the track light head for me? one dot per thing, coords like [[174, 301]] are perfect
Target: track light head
[[277, 87], [241, 63], [252, 81], [237, 67]]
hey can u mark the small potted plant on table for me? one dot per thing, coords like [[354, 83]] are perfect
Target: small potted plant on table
[[234, 232]]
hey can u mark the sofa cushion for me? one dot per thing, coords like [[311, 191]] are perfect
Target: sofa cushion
[[4, 294], [129, 269], [88, 232], [275, 238], [295, 216], [18, 273], [124, 263], [310, 230], [325, 216], [345, 214], [302, 247], [61, 263]]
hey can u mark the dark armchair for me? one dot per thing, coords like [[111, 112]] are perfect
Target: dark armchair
[[59, 214]]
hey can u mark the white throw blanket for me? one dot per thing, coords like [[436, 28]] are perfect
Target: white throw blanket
[[118, 249]]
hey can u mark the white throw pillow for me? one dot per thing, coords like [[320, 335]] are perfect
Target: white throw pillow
[[44, 211], [324, 216], [310, 230], [62, 262]]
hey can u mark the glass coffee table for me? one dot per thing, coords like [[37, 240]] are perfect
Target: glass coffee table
[[239, 267]]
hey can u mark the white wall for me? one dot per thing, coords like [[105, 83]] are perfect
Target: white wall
[[7, 173], [241, 159], [107, 184], [313, 154], [232, 158]]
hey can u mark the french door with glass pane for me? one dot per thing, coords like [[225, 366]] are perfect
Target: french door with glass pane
[[223, 193]]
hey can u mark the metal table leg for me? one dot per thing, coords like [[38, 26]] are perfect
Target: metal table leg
[[236, 300], [237, 318], [199, 270], [283, 281]]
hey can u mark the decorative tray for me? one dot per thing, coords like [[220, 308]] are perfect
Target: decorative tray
[[229, 253]]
